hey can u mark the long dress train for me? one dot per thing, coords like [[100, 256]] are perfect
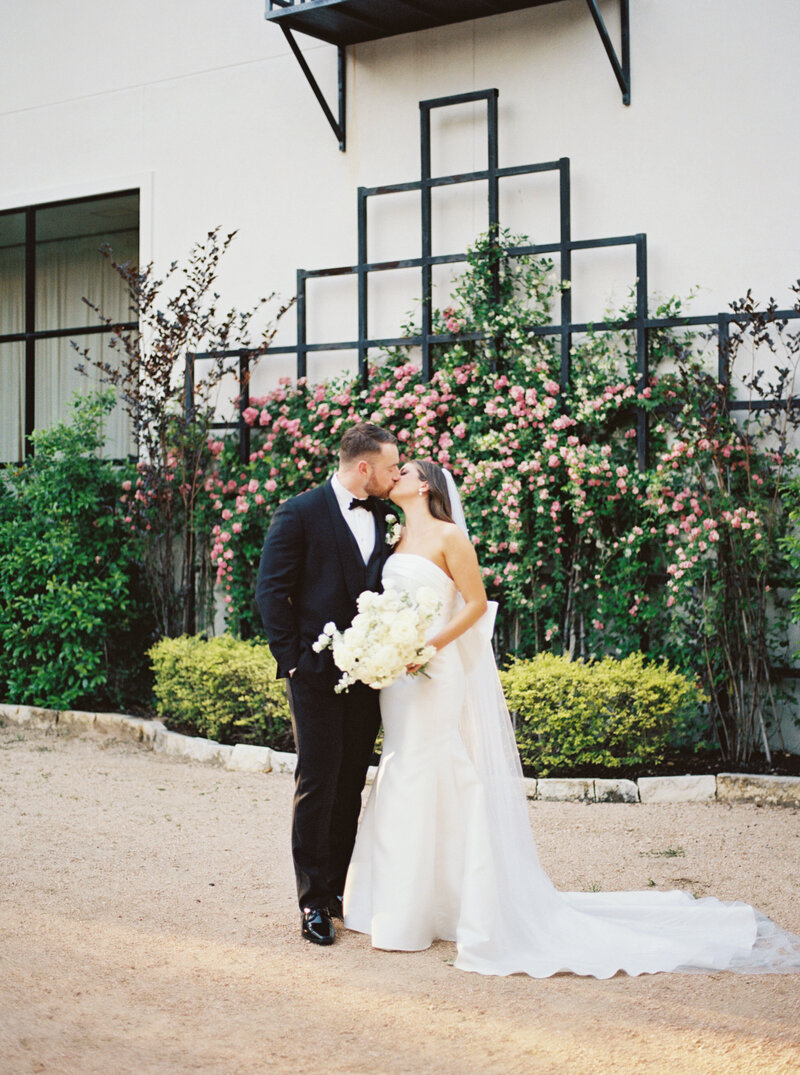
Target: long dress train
[[445, 848]]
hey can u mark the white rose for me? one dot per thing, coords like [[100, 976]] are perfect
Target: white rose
[[427, 598], [367, 600], [343, 655], [405, 634], [386, 658], [391, 600], [358, 642], [406, 616]]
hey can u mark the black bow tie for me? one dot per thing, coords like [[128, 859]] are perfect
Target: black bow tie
[[367, 505]]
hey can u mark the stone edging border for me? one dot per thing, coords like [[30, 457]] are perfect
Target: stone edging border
[[152, 734]]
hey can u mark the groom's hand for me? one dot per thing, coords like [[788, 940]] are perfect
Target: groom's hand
[[278, 578]]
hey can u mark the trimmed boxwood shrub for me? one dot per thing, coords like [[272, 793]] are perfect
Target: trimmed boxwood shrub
[[74, 619], [609, 713], [221, 688]]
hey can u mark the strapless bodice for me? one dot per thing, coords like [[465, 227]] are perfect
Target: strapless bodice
[[407, 572]]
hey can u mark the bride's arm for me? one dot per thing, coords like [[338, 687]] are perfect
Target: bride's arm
[[462, 564]]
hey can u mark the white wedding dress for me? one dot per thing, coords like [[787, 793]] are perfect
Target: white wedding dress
[[445, 848]]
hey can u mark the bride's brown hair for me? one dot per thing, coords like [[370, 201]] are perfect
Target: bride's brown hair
[[438, 496]]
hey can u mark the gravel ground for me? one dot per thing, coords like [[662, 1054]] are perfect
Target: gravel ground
[[148, 925]]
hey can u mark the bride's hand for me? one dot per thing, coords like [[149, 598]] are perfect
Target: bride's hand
[[412, 668]]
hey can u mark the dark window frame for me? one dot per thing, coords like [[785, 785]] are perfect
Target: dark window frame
[[29, 336]]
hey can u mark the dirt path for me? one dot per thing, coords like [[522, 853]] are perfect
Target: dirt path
[[148, 925]]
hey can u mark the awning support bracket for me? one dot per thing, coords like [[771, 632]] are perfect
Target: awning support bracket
[[620, 64], [338, 128], [621, 68]]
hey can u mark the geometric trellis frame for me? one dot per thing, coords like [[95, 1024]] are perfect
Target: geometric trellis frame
[[564, 245]]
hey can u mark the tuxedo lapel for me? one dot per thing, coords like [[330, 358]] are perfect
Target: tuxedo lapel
[[347, 547], [378, 557], [377, 522]]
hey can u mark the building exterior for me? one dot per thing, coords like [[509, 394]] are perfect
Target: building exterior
[[183, 116], [146, 125]]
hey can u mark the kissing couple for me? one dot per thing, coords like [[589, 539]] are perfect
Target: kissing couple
[[444, 849]]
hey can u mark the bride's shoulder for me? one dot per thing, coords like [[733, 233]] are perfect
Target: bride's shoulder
[[452, 536]]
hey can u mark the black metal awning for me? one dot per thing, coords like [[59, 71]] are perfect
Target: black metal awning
[[351, 22]]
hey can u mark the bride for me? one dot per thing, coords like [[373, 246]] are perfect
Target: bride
[[445, 849]]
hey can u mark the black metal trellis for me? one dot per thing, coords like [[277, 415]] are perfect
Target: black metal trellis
[[641, 324]]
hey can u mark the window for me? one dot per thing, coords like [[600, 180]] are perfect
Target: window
[[50, 261]]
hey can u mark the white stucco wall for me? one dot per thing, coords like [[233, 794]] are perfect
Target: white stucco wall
[[201, 105]]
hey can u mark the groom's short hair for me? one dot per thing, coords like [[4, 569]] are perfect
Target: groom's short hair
[[363, 439]]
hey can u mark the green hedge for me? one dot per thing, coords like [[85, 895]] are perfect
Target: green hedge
[[610, 714], [74, 618], [222, 688], [570, 715]]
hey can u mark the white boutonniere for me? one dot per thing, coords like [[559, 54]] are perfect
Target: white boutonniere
[[394, 529]]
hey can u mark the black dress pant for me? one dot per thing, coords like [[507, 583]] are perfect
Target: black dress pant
[[335, 736]]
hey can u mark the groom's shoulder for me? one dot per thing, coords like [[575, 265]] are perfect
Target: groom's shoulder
[[308, 500]]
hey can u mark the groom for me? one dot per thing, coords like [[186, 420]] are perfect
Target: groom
[[323, 548]]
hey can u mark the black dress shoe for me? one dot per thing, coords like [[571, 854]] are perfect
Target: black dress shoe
[[317, 925], [335, 908]]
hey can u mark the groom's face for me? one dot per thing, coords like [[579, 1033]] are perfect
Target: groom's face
[[383, 471]]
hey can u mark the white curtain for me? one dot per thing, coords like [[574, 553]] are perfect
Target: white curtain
[[66, 271], [12, 355]]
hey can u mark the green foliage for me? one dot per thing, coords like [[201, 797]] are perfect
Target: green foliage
[[176, 315], [611, 714], [723, 488], [72, 623], [790, 543], [587, 554], [223, 688]]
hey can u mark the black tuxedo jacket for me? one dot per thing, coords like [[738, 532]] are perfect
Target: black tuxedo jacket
[[311, 573]]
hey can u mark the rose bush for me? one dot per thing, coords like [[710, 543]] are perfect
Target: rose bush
[[586, 554]]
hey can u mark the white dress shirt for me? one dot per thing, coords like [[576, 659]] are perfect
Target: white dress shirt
[[361, 522]]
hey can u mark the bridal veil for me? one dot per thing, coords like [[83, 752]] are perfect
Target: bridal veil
[[528, 926]]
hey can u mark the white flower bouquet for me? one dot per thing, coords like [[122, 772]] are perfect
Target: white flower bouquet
[[387, 634]]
